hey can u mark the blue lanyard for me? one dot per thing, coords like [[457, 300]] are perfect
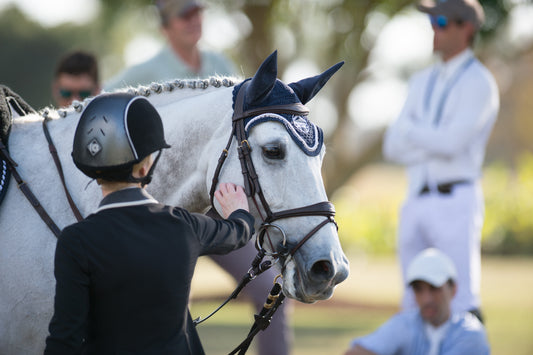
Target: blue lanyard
[[447, 89]]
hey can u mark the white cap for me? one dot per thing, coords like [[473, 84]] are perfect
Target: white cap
[[431, 266]]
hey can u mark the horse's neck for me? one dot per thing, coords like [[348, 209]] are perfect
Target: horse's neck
[[197, 124], [29, 149], [197, 129]]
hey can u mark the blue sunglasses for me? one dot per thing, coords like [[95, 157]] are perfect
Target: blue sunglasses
[[67, 94], [439, 21]]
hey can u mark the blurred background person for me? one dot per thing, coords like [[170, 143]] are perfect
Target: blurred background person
[[75, 78], [440, 136], [433, 328], [181, 57]]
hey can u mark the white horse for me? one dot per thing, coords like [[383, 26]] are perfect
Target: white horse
[[197, 117]]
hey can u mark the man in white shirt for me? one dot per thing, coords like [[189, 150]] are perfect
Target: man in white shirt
[[432, 328], [440, 136]]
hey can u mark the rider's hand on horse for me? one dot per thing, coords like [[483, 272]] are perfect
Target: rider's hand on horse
[[231, 198]]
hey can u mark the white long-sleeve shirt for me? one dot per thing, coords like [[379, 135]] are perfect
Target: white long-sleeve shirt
[[443, 128]]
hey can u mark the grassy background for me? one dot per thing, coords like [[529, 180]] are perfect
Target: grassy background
[[365, 300], [367, 210]]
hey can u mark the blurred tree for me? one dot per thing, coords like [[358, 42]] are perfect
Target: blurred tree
[[326, 32], [30, 53], [313, 31]]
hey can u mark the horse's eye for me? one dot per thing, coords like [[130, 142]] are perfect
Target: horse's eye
[[273, 151]]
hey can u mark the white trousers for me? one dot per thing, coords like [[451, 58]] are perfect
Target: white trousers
[[451, 223]]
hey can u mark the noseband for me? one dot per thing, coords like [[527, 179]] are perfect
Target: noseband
[[251, 180]]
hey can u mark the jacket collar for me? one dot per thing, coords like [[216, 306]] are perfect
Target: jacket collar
[[131, 196]]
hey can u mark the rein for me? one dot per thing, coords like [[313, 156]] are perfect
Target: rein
[[22, 108], [27, 191], [53, 152], [253, 189], [23, 186]]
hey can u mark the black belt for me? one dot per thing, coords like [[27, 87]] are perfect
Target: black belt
[[445, 188]]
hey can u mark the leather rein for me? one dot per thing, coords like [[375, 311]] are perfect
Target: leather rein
[[53, 152], [23, 186]]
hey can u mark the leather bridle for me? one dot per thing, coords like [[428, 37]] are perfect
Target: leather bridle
[[252, 185], [253, 190]]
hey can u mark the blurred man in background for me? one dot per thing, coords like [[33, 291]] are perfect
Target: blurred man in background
[[75, 78], [440, 136], [433, 328], [181, 57]]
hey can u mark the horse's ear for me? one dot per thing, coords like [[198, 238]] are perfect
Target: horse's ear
[[263, 81], [306, 89]]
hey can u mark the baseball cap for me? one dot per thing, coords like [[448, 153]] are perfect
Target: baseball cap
[[432, 266], [455, 10], [169, 8]]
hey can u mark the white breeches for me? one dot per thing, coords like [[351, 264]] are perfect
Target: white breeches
[[452, 223]]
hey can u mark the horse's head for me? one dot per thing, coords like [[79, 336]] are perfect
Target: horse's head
[[281, 154]]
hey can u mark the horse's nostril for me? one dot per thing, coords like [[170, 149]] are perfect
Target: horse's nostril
[[322, 270]]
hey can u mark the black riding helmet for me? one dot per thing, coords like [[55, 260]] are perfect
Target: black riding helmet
[[116, 131]]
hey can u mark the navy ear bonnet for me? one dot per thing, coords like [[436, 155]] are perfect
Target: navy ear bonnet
[[308, 136], [264, 90]]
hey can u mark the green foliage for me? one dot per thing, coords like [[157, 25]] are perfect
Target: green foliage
[[369, 221], [370, 227], [508, 225], [30, 53]]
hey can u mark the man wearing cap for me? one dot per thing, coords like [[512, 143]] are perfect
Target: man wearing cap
[[432, 329], [440, 136], [181, 24]]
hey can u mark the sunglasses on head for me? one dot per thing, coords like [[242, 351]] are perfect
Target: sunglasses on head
[[67, 94]]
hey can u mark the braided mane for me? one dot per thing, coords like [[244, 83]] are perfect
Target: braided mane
[[147, 90]]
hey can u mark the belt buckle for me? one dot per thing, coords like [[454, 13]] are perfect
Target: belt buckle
[[445, 188]]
